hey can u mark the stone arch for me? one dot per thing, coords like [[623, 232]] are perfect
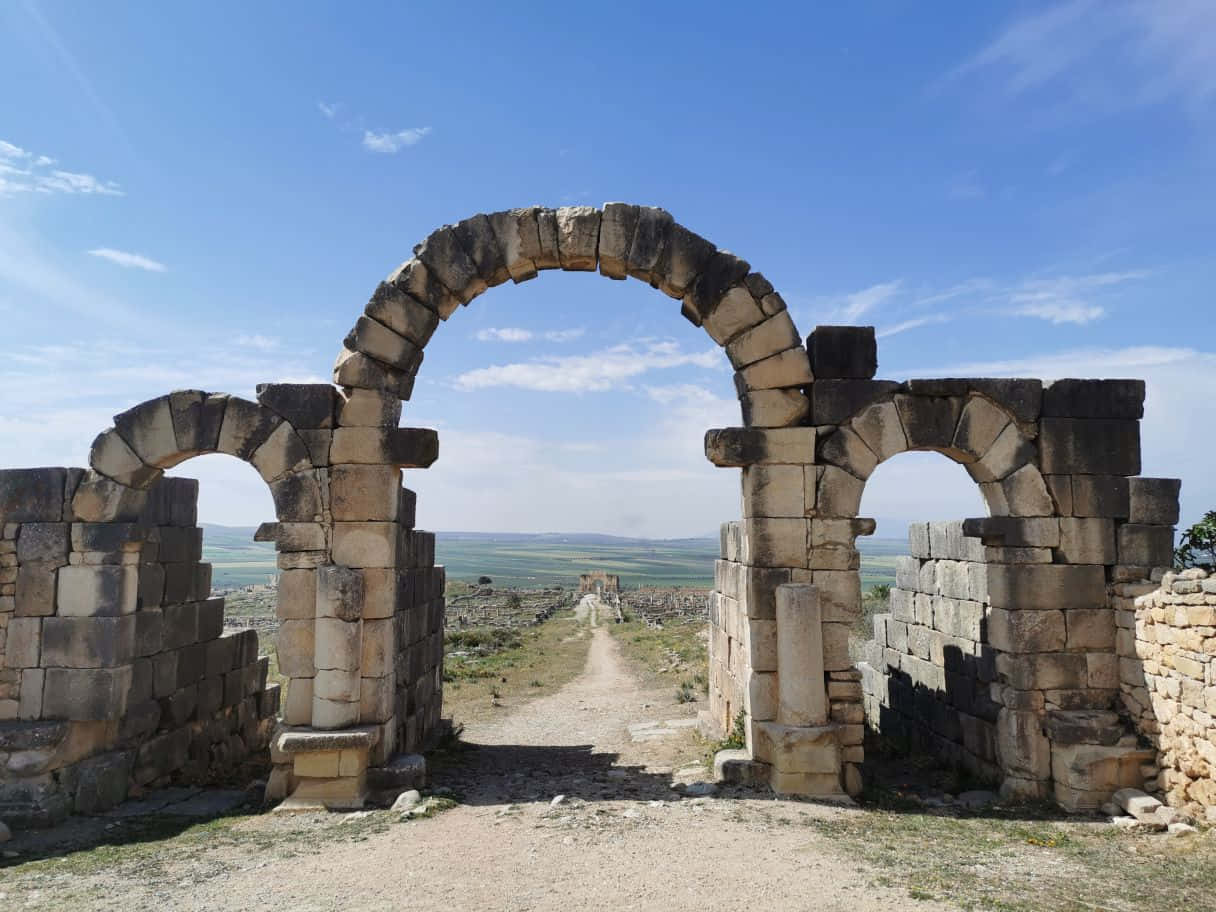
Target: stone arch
[[971, 427], [130, 457], [737, 307]]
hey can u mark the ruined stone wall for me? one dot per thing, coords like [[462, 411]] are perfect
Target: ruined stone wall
[[419, 660], [1167, 658], [120, 674], [655, 605], [928, 671]]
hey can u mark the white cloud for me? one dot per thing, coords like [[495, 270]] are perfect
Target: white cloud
[[261, 343], [1065, 299], [915, 323], [327, 110], [505, 334], [1106, 55], [127, 260], [391, 143], [608, 369], [564, 335], [24, 172]]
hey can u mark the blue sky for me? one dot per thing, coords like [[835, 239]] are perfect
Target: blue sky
[[206, 195]]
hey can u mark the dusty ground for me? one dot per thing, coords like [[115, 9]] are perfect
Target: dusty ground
[[620, 838]]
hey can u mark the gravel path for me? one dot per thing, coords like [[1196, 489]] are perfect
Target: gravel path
[[619, 837]]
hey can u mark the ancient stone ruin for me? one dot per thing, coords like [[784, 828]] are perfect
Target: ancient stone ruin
[[599, 582], [1012, 644]]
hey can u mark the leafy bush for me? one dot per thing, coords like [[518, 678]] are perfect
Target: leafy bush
[[1197, 548]]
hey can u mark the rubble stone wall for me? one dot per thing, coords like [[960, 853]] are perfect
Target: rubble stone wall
[[117, 672], [928, 670], [1167, 663]]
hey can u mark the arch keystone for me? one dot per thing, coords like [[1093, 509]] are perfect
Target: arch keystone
[[578, 237]]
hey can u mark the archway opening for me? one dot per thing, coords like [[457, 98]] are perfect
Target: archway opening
[[922, 639]]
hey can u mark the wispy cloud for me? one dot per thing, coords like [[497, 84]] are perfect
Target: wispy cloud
[[610, 368], [850, 308], [258, 342], [25, 172], [505, 334], [127, 260], [328, 110], [389, 143], [1106, 55], [914, 323], [1065, 299], [515, 334]]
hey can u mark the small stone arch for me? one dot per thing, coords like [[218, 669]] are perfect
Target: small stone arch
[[168, 430], [737, 307], [969, 426]]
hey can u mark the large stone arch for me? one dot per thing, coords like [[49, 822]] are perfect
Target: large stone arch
[[737, 307]]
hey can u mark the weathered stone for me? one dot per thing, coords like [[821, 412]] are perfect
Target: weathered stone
[[836, 492], [1025, 493], [283, 452], [416, 280], [113, 457], [774, 408], [844, 448], [685, 257], [1153, 500], [197, 419], [617, 226], [86, 642], [1046, 586], [751, 446], [735, 313], [1009, 452], [1100, 495], [774, 490], [384, 345], [843, 352], [476, 236], [929, 421], [148, 430], [578, 232], [1087, 540], [296, 646], [721, 273], [1145, 546], [302, 405], [1022, 631], [881, 430], [368, 408], [86, 693], [802, 699], [648, 248], [1094, 399], [355, 369], [448, 262], [401, 447], [773, 335], [1090, 629], [835, 401], [365, 544], [101, 591], [1094, 446], [339, 593]]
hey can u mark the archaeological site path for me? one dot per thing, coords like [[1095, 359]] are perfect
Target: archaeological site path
[[620, 839]]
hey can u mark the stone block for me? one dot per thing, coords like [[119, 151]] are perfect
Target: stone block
[[336, 684], [1094, 399], [1046, 586], [797, 749], [831, 491], [1144, 546], [303, 405], [719, 275], [980, 425], [1087, 540], [87, 642], [339, 593], [359, 493], [368, 408], [1009, 452], [687, 254], [837, 401], [43, 543], [339, 644], [774, 491], [148, 430], [1022, 746], [246, 427], [297, 708], [197, 418], [101, 591], [297, 596], [929, 421], [774, 408], [1101, 495], [365, 544], [333, 714], [802, 699], [578, 230], [297, 498], [296, 647], [32, 495], [789, 368], [1092, 446], [179, 625], [775, 542], [35, 590], [401, 447], [750, 446], [283, 452], [393, 307], [381, 343], [1153, 501], [1026, 631], [22, 642], [843, 352], [617, 225], [845, 449], [1044, 671], [773, 335], [85, 694], [210, 618], [355, 369], [880, 428]]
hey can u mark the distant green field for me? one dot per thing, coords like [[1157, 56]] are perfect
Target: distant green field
[[534, 561]]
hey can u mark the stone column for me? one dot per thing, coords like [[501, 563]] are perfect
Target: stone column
[[339, 646], [801, 695]]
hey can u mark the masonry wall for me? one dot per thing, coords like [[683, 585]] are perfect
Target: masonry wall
[[1167, 658], [117, 670], [928, 672]]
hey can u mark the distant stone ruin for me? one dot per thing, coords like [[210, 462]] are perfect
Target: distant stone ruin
[[115, 674], [598, 582]]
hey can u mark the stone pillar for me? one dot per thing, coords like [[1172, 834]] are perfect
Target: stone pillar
[[339, 647], [802, 698]]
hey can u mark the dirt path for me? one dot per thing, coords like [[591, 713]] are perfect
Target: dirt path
[[621, 838]]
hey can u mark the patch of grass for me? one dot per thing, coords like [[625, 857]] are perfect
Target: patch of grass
[[497, 666], [679, 647], [1026, 858]]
